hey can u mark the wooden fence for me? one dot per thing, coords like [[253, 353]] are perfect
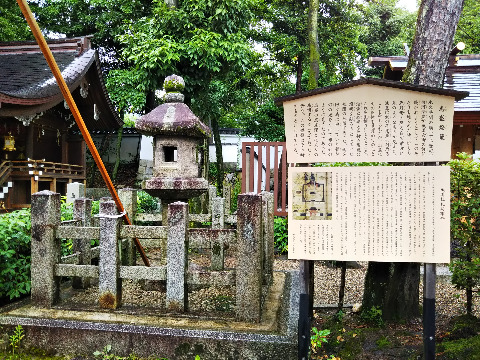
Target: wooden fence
[[263, 162]]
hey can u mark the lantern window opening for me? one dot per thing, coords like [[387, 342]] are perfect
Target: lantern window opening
[[170, 153]]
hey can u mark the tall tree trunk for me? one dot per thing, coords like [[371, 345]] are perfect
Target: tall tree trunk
[[298, 83], [218, 153], [118, 154], [376, 284], [149, 101], [314, 48], [436, 25], [396, 290]]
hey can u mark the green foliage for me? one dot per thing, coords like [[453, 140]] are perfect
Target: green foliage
[[237, 189], [282, 29], [212, 173], [280, 233], [146, 203], [16, 338], [317, 338], [223, 303], [339, 315], [465, 349], [265, 123], [15, 232], [373, 316], [66, 209], [465, 221], [468, 29], [385, 29], [199, 40], [127, 89], [15, 253], [13, 26], [102, 19], [383, 342], [129, 121]]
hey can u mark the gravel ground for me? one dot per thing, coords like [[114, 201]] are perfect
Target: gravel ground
[[221, 301], [449, 301]]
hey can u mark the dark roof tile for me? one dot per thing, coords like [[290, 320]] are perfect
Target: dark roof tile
[[27, 76]]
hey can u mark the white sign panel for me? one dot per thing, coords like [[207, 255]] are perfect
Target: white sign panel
[[369, 123], [390, 213]]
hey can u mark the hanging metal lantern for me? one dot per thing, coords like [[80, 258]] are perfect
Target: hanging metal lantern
[[9, 142]]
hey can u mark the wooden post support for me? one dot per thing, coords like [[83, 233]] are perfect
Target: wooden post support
[[306, 307], [304, 328], [429, 279]]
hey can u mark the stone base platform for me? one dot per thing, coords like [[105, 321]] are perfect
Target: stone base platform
[[81, 332]]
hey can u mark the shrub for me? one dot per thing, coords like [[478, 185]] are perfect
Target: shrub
[[15, 253], [146, 203], [280, 226], [15, 236], [464, 224]]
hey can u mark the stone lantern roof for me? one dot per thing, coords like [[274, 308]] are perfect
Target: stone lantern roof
[[172, 118]]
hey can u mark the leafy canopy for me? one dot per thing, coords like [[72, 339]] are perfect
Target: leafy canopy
[[468, 29], [384, 31], [13, 26], [200, 40]]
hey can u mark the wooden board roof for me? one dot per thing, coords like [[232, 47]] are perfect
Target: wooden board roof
[[458, 95]]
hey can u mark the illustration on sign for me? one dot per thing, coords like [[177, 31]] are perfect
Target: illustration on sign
[[312, 196]]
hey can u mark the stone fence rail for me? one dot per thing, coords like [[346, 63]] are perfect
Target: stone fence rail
[[252, 243]]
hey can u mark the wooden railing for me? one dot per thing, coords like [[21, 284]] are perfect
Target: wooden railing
[[5, 171], [49, 169], [259, 159]]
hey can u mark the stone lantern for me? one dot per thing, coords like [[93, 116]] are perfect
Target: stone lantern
[[179, 147]]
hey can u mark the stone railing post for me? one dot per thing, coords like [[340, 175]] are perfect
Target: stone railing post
[[227, 194], [218, 222], [212, 194], [75, 190], [177, 262], [45, 248], [109, 283], [128, 197], [268, 241], [82, 210], [250, 257]]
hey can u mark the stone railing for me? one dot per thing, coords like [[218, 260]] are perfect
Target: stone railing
[[229, 218], [252, 242]]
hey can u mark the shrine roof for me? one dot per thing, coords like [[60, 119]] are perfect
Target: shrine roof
[[458, 95], [27, 85], [462, 74]]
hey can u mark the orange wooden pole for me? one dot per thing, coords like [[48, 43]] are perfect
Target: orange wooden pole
[[76, 114]]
